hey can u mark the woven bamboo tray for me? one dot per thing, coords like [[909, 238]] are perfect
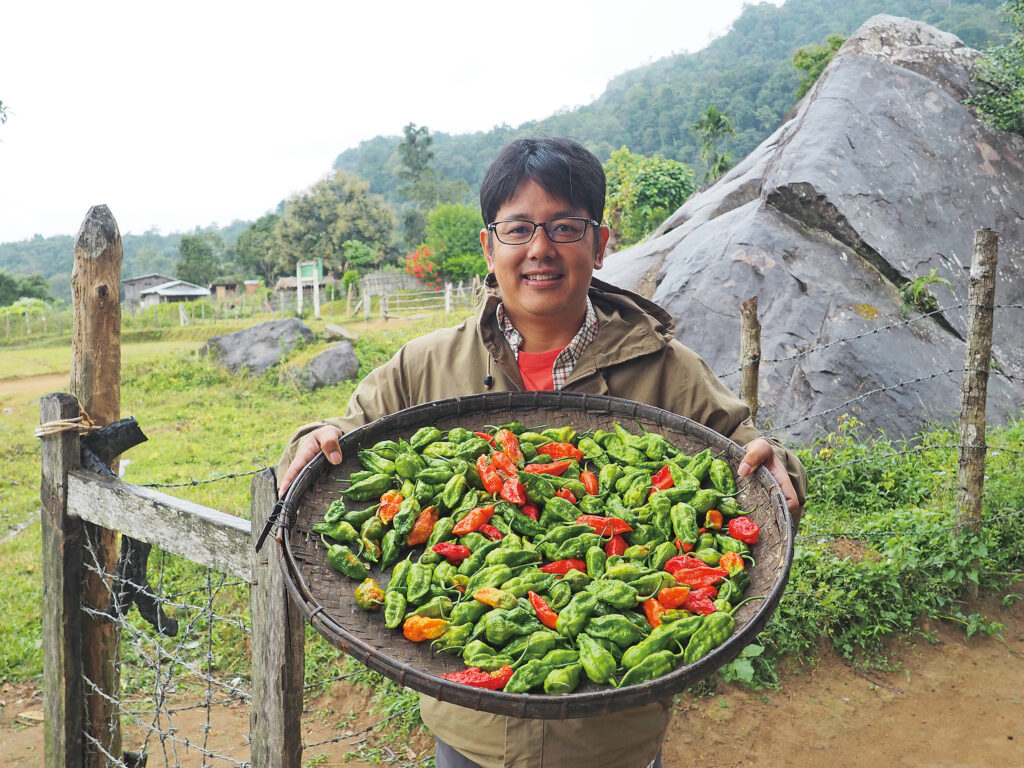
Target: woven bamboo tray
[[326, 597]]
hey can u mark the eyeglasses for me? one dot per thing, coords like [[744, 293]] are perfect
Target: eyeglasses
[[568, 229]]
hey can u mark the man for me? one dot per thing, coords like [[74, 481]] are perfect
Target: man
[[547, 324]]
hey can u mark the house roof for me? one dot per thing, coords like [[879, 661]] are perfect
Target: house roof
[[177, 288], [151, 275]]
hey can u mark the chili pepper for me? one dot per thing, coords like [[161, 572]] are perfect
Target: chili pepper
[[595, 559], [732, 562], [608, 477], [729, 507], [561, 450], [559, 595], [478, 678], [650, 668], [488, 576], [720, 474], [715, 630], [533, 579], [708, 556], [489, 476], [513, 491], [501, 461], [562, 567], [499, 625], [653, 610], [662, 479], [420, 628], [484, 436], [725, 543], [390, 503], [539, 488], [636, 494], [597, 661], [651, 584], [424, 436], [406, 517], [339, 530], [573, 485], [444, 574], [528, 676], [625, 570], [700, 577], [435, 475], [574, 616], [343, 560], [475, 561], [530, 511], [390, 550], [614, 627], [408, 464], [375, 463], [565, 531], [468, 612], [545, 614], [495, 598], [473, 520], [563, 679], [439, 607], [491, 532], [455, 553], [551, 468], [637, 552], [509, 444], [471, 449], [700, 463], [370, 488], [513, 558], [564, 493], [368, 595], [458, 434], [453, 491], [589, 480], [335, 512], [418, 586], [577, 580], [422, 527], [673, 597], [744, 529], [713, 520], [616, 545], [617, 594], [662, 554], [606, 526], [454, 640], [699, 603], [394, 608]]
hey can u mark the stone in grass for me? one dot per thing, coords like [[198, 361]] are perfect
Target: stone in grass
[[332, 366], [259, 347]]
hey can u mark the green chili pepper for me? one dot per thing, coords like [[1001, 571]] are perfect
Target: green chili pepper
[[454, 640], [528, 676], [418, 587], [370, 488], [439, 607], [424, 436], [441, 449], [335, 512], [400, 576], [563, 679], [621, 453], [511, 557], [499, 626], [436, 475], [535, 645], [560, 434], [715, 630], [339, 530], [574, 616], [662, 554], [489, 576], [625, 570], [636, 494], [597, 661], [558, 510], [608, 477], [404, 520], [468, 612], [708, 555], [376, 463], [368, 595], [730, 508], [591, 505], [615, 627], [684, 523], [559, 595], [390, 549], [343, 560], [475, 561], [595, 559], [394, 608], [373, 528], [577, 580], [472, 448], [453, 491], [616, 593], [653, 666], [539, 488], [442, 532], [534, 580], [459, 435], [559, 657], [389, 449], [725, 543], [408, 464]]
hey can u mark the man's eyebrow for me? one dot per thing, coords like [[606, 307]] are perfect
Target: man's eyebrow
[[561, 213]]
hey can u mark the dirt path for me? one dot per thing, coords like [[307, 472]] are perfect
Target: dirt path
[[958, 703]]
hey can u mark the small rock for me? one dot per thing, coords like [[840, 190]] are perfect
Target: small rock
[[333, 332]]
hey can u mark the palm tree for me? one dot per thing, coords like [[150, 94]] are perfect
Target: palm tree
[[713, 126]]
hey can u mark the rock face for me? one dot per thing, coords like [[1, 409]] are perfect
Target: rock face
[[332, 366], [878, 177], [259, 347]]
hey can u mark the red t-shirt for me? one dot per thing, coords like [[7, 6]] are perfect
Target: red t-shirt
[[535, 368]]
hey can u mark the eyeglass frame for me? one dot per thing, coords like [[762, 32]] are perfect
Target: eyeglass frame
[[537, 224]]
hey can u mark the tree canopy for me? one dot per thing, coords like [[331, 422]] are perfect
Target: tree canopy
[[641, 193]]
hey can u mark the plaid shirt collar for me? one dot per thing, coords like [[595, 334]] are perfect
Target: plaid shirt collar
[[566, 360]]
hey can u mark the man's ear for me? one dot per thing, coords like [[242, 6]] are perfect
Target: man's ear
[[485, 244], [603, 233]]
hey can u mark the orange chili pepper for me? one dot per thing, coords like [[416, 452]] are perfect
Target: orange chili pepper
[[714, 520], [419, 628], [589, 480], [473, 520], [561, 451], [545, 613], [489, 476], [510, 445], [552, 468], [653, 610], [390, 503], [503, 462], [732, 562], [423, 527], [673, 597]]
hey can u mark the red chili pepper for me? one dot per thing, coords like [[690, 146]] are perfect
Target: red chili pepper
[[501, 460], [488, 475], [510, 445], [700, 577], [561, 451], [616, 545], [477, 678], [473, 520], [390, 503], [662, 479], [713, 520], [744, 529], [455, 553], [673, 564], [709, 592], [553, 468], [684, 546], [566, 494], [589, 480], [530, 511], [513, 491], [545, 614], [605, 525], [423, 527], [699, 604], [485, 436], [562, 567], [732, 562], [491, 532], [673, 597], [653, 610]]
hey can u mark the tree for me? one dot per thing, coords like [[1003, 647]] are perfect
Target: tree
[[258, 248], [13, 288], [197, 263], [642, 192], [338, 208], [358, 255], [1000, 77], [712, 127], [812, 60], [453, 235]]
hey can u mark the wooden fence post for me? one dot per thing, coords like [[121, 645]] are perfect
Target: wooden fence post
[[750, 354], [63, 705], [981, 293], [278, 662], [96, 382]]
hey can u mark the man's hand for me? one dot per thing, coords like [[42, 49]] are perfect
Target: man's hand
[[321, 440], [760, 453]]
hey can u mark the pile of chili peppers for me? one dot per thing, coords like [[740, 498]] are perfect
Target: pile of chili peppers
[[543, 556]]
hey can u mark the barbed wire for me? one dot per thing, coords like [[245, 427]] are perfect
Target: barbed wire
[[194, 483]]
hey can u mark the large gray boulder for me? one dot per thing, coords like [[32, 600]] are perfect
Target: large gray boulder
[[259, 347], [332, 366], [879, 176]]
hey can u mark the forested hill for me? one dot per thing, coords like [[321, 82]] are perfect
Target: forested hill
[[748, 73]]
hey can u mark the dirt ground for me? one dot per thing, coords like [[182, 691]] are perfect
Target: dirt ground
[[957, 703]]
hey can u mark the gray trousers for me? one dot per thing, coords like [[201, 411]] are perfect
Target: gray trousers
[[446, 757]]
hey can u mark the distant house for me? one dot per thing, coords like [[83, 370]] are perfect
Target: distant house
[[134, 286], [288, 286], [225, 289], [171, 291]]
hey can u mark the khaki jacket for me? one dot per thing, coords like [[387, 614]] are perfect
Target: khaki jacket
[[634, 356]]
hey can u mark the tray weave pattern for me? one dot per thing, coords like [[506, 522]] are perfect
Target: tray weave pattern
[[326, 597]]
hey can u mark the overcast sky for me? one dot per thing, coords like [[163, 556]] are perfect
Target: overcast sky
[[186, 114]]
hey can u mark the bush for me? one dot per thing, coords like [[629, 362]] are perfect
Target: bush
[[999, 75]]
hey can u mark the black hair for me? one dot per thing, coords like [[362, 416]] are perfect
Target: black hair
[[564, 168]]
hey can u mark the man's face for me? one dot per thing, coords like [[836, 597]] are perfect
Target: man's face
[[543, 280]]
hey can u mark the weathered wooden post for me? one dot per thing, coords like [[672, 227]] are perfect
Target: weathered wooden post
[[750, 354], [278, 662], [63, 705], [981, 293], [96, 382]]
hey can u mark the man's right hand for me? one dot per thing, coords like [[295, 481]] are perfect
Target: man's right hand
[[321, 440]]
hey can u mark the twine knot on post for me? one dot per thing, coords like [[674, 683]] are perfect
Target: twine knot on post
[[83, 425]]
